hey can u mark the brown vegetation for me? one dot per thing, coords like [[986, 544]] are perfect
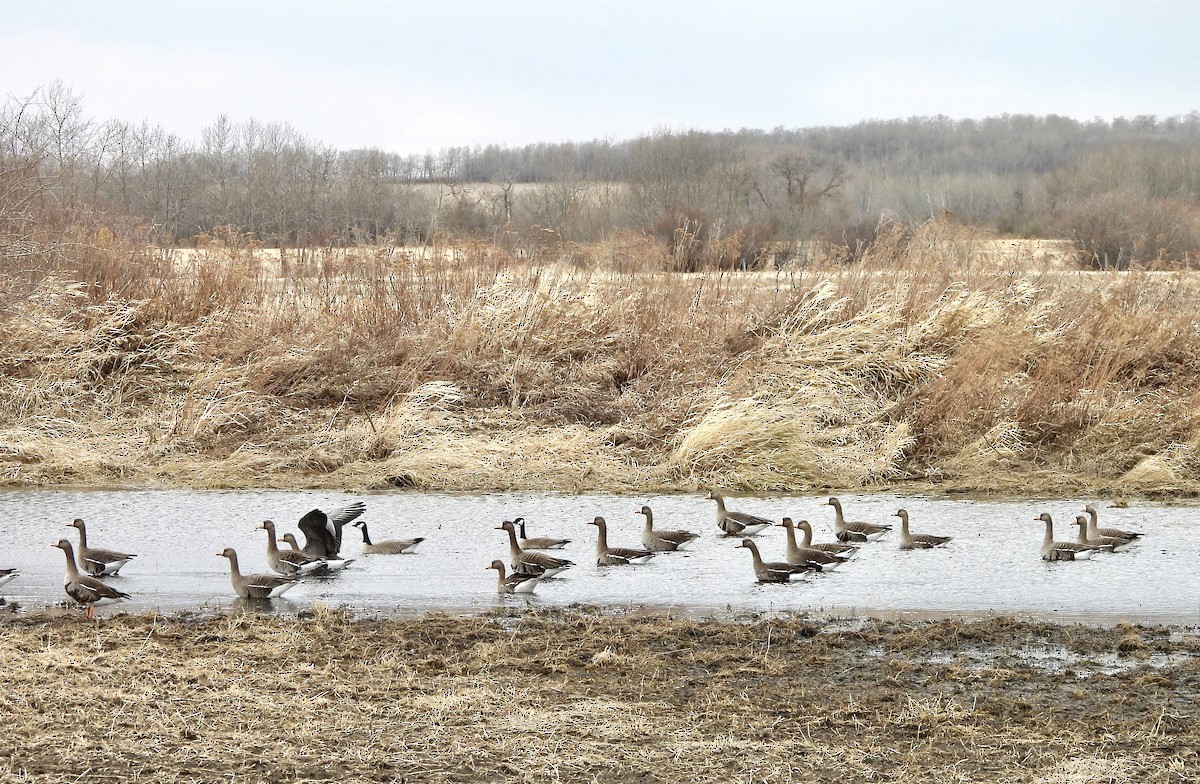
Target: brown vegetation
[[938, 358], [587, 697]]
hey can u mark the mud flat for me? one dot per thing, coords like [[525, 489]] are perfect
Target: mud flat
[[584, 695]]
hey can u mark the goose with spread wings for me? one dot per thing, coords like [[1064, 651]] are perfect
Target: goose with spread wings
[[323, 532]]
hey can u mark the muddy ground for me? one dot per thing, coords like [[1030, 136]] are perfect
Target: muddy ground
[[582, 695]]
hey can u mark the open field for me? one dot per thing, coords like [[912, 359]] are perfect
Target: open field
[[590, 697], [941, 361]]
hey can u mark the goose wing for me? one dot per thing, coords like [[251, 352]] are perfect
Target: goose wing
[[89, 590], [319, 537]]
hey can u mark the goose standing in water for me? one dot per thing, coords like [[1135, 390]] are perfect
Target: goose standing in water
[[96, 560], [387, 546], [514, 583], [1109, 542], [289, 562], [798, 555], [615, 556], [737, 523], [8, 575], [909, 541], [662, 541], [323, 533], [845, 549], [775, 572], [256, 586], [531, 563], [539, 542], [854, 531], [1063, 551], [1094, 529], [85, 589]]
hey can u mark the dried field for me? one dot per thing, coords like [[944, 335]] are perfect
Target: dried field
[[940, 361], [588, 697]]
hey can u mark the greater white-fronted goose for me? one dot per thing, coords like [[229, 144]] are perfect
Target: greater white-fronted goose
[[1095, 530], [539, 542], [331, 564], [615, 556], [737, 523], [256, 586], [854, 530], [775, 571], [288, 561], [514, 583], [662, 541], [798, 555], [845, 549], [323, 533], [8, 575], [96, 560], [910, 541], [85, 589], [1111, 543], [530, 562], [1062, 551], [387, 546]]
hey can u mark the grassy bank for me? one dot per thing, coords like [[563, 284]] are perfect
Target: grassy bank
[[933, 363], [581, 697]]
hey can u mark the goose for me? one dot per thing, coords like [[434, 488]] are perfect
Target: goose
[[95, 560], [615, 556], [387, 546], [514, 583], [854, 531], [84, 588], [539, 542], [837, 548], [1095, 530], [331, 564], [323, 533], [531, 563], [798, 556], [256, 586], [8, 575], [917, 541], [1110, 542], [288, 561], [737, 523], [1063, 551], [662, 541], [775, 572]]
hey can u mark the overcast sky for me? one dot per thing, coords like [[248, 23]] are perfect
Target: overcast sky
[[412, 76]]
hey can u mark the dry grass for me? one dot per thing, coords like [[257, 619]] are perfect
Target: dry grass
[[564, 367], [580, 697]]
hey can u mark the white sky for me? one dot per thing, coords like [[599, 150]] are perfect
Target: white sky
[[411, 76]]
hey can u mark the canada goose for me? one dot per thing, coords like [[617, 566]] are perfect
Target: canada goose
[[8, 575], [531, 563], [737, 523], [331, 564], [256, 586], [1063, 551], [85, 589], [514, 583], [775, 572], [1111, 542], [288, 561], [1095, 530], [615, 556], [662, 541], [323, 533], [798, 555], [539, 542], [917, 541], [845, 549], [854, 531], [387, 546], [95, 560]]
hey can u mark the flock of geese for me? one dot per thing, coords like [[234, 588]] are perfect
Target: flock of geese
[[529, 563]]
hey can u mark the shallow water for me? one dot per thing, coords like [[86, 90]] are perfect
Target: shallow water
[[991, 567]]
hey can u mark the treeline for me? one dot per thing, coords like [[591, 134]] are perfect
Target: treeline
[[1126, 190]]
